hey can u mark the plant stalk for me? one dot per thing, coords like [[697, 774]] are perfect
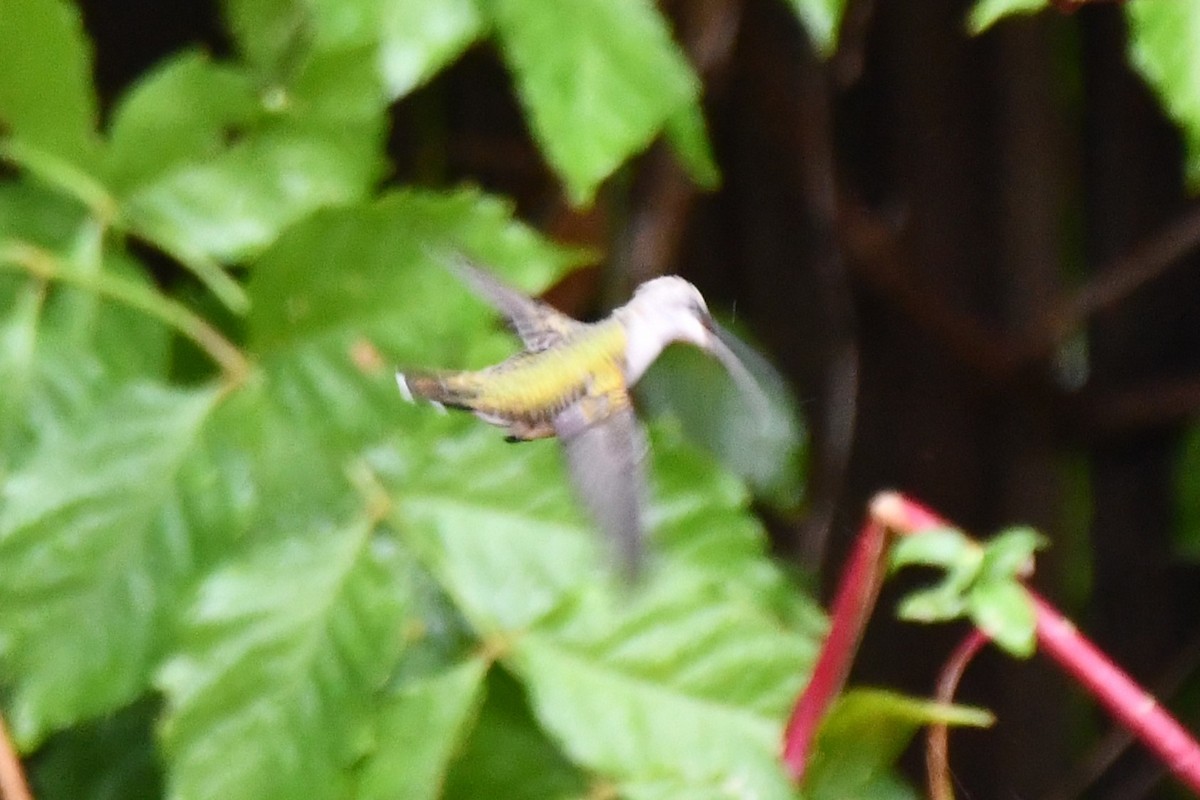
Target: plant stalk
[[1133, 707], [857, 592], [45, 266]]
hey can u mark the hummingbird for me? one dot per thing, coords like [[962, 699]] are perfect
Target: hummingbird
[[573, 380]]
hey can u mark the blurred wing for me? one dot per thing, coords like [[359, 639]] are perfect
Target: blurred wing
[[723, 349], [539, 326], [605, 461]]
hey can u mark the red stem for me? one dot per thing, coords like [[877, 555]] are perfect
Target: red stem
[[857, 590], [1132, 706]]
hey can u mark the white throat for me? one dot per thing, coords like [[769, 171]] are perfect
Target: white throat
[[663, 310], [644, 342]]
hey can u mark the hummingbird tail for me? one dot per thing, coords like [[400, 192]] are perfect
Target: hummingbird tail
[[438, 388]]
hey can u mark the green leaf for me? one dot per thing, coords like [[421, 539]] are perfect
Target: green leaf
[[978, 581], [493, 521], [127, 342], [1004, 611], [33, 213], [948, 549], [614, 675], [1164, 41], [937, 547], [1010, 553], [608, 672], [386, 280], [46, 391], [539, 550], [30, 215], [270, 33], [320, 145], [821, 18], [238, 202], [413, 39], [644, 716], [508, 756], [18, 338], [64, 375], [86, 564], [185, 110], [688, 136], [598, 79], [281, 655], [937, 604], [130, 343], [252, 473], [699, 516], [61, 346], [113, 758], [986, 13], [863, 736], [421, 726], [419, 37], [46, 96]]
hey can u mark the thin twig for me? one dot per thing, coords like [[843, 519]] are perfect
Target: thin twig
[[880, 259], [46, 266], [105, 209], [937, 751], [1151, 258], [877, 257], [1154, 404], [62, 175]]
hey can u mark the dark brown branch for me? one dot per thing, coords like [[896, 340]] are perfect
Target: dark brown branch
[[879, 259], [1149, 260], [1152, 405], [658, 223], [937, 750]]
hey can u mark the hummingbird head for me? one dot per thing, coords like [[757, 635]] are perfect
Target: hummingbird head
[[662, 311], [669, 309]]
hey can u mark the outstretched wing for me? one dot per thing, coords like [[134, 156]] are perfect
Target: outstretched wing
[[605, 462], [539, 326]]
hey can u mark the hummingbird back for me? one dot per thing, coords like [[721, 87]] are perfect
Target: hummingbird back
[[526, 392]]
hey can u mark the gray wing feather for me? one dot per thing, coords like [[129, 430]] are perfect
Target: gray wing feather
[[606, 465], [538, 325]]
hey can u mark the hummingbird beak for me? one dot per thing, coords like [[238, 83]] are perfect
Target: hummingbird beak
[[746, 382]]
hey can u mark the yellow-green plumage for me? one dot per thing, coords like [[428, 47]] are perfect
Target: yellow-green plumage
[[526, 391]]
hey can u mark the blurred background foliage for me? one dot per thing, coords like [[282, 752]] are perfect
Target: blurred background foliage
[[233, 564]]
